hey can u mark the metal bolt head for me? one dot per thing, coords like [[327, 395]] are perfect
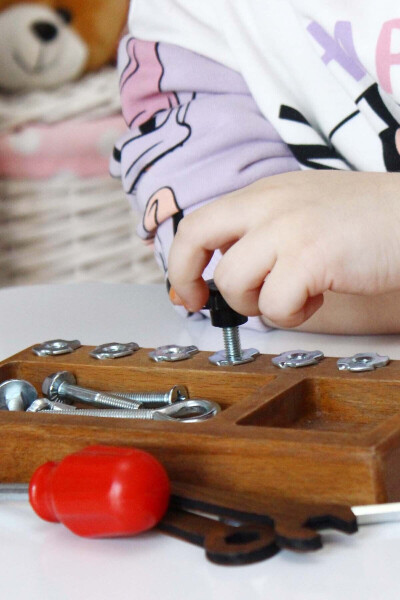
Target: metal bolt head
[[16, 394], [297, 358], [56, 347], [114, 350], [45, 405], [39, 405], [178, 393], [363, 361], [219, 358], [172, 353], [52, 383]]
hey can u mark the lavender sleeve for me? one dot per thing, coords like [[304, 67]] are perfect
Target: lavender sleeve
[[194, 133]]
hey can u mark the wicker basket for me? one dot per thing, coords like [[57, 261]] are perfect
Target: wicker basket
[[69, 228]]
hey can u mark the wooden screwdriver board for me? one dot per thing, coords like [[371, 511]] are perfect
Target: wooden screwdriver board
[[313, 434]]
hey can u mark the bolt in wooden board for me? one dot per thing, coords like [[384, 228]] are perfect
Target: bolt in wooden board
[[313, 434]]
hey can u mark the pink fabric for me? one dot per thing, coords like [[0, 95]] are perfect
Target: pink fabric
[[141, 70], [74, 146]]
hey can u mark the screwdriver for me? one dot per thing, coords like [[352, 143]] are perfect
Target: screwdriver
[[100, 491], [369, 514]]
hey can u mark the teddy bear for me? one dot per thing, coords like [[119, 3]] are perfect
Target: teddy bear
[[45, 43]]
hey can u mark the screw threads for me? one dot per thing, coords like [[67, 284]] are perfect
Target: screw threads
[[147, 399], [232, 344], [104, 399], [86, 396], [142, 414]]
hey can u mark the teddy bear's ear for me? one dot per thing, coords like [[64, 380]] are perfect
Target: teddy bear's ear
[[100, 23], [65, 14]]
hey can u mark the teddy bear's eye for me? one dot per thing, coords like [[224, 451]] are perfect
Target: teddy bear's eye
[[65, 14]]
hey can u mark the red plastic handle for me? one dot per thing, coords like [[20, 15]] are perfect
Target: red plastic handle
[[102, 491]]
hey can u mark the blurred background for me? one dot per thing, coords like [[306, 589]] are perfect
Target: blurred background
[[62, 217]]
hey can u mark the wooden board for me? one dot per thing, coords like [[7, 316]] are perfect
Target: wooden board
[[313, 434]]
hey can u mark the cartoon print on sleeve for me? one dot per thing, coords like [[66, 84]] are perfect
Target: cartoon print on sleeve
[[140, 82], [161, 205], [157, 122], [154, 139]]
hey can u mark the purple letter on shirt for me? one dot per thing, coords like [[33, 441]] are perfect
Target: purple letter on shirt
[[339, 48]]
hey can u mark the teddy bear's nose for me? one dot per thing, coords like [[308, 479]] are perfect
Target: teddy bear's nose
[[44, 31]]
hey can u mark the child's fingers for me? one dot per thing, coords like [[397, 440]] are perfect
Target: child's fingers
[[185, 277], [287, 297], [254, 281], [198, 235], [241, 271]]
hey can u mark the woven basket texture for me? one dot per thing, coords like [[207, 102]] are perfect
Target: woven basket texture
[[68, 228]]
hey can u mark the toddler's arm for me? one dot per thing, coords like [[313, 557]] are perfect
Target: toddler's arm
[[289, 239], [194, 134]]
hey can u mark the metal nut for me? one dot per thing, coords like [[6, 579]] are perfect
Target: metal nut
[[363, 361], [297, 358], [55, 347], [172, 353], [221, 359], [114, 350]]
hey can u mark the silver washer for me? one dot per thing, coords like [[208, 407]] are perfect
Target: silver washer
[[172, 353], [219, 358], [55, 347], [297, 358], [114, 350], [363, 361]]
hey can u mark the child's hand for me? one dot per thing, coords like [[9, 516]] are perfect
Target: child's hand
[[289, 238]]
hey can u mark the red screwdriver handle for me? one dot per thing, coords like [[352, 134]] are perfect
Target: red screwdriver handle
[[102, 491]]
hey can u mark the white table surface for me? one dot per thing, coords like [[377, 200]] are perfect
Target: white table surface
[[45, 561]]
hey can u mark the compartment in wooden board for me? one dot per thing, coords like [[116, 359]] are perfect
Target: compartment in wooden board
[[342, 405]]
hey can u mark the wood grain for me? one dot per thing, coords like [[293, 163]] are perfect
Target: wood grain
[[311, 434]]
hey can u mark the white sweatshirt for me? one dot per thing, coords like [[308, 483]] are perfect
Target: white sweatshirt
[[325, 73]]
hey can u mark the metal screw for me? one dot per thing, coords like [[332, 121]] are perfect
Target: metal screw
[[232, 344], [223, 316], [16, 394], [61, 387], [177, 393], [188, 411], [43, 404]]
